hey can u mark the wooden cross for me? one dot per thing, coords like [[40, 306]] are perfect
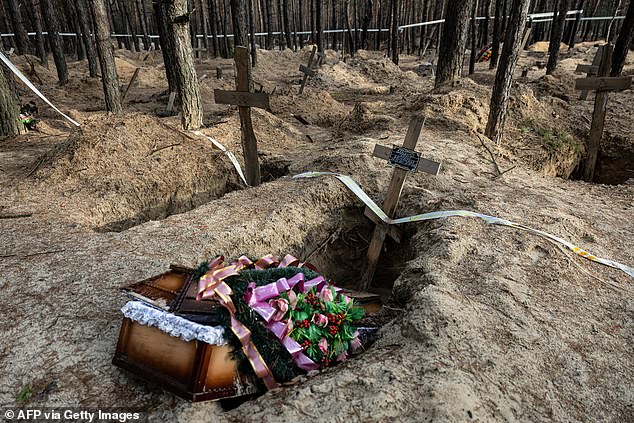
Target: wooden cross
[[244, 98], [590, 71], [307, 70], [321, 57], [602, 84], [405, 160]]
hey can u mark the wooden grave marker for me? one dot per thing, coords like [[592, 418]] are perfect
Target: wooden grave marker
[[405, 160], [244, 98], [590, 71], [602, 84], [307, 70], [321, 58]]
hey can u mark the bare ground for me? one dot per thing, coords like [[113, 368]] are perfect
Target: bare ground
[[492, 324]]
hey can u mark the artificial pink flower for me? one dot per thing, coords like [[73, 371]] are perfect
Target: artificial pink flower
[[292, 298], [326, 294], [323, 345], [346, 299], [281, 307], [355, 342], [320, 320], [342, 357]]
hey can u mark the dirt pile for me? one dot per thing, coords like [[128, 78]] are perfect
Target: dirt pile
[[464, 108], [116, 172]]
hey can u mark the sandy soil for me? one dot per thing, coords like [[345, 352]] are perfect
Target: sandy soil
[[492, 324]]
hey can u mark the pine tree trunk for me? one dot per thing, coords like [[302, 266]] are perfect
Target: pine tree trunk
[[239, 20], [487, 19], [394, 36], [39, 38], [191, 103], [84, 23], [225, 40], [365, 24], [504, 74], [109, 77], [318, 27], [453, 42], [623, 41], [474, 32], [55, 40], [575, 26], [497, 34], [21, 37], [333, 23], [165, 40], [301, 22], [10, 124], [254, 49], [214, 29], [556, 34], [140, 12], [269, 25], [287, 23]]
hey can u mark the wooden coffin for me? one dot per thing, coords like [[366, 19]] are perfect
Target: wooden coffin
[[192, 370]]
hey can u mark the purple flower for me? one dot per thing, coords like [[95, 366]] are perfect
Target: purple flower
[[281, 307], [323, 345], [326, 294], [320, 320], [343, 356]]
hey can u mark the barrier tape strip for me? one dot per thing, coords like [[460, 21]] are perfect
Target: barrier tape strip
[[28, 83], [358, 191], [229, 154]]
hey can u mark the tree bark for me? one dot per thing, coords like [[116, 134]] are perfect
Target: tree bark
[[109, 77], [623, 41], [140, 12], [10, 124], [39, 38], [365, 23], [474, 32], [254, 48], [165, 40], [394, 35], [84, 23], [239, 20], [21, 38], [453, 42], [318, 26], [556, 35], [187, 82], [575, 26], [55, 40], [497, 34], [504, 74], [214, 29], [269, 24]]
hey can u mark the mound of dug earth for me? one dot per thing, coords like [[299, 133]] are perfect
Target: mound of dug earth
[[118, 171]]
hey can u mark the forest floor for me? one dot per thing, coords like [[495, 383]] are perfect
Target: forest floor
[[493, 324]]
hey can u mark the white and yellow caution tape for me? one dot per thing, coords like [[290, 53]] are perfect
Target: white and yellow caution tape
[[356, 189], [28, 83], [229, 154]]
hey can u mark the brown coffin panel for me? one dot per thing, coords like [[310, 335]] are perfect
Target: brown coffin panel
[[160, 351]]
